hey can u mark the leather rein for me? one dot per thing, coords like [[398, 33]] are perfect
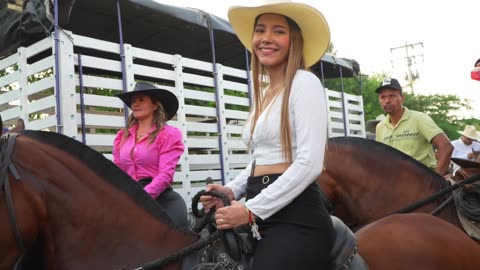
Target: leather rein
[[437, 195], [7, 143]]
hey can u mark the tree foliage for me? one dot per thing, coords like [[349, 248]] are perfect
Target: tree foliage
[[361, 85], [444, 110]]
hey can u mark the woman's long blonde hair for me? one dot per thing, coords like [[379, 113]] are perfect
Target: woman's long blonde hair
[[159, 120], [295, 62]]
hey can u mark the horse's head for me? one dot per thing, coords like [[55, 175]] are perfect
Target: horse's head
[[18, 219], [366, 180]]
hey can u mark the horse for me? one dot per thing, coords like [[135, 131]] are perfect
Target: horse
[[74, 209], [64, 205], [364, 180], [416, 241]]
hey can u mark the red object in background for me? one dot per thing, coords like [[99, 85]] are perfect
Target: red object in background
[[476, 74]]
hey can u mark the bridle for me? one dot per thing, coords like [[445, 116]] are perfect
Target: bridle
[[7, 143]]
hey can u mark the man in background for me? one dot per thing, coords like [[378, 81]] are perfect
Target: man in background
[[410, 131], [467, 146]]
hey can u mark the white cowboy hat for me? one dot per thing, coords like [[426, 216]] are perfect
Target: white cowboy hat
[[470, 132], [314, 27], [372, 124]]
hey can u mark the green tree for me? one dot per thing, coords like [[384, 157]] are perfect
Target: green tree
[[371, 107], [360, 85], [444, 110], [331, 49]]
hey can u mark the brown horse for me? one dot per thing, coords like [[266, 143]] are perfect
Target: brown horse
[[365, 180], [416, 241], [74, 209], [64, 206]]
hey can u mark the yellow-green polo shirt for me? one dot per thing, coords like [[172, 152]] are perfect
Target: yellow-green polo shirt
[[412, 135]]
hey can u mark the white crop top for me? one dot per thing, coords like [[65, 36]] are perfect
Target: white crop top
[[308, 125]]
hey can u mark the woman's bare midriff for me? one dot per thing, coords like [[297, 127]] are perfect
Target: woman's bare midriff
[[271, 169]]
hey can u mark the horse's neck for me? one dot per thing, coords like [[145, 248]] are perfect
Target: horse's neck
[[106, 230], [369, 188], [89, 223]]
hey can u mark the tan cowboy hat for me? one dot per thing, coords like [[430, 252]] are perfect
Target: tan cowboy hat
[[470, 132], [314, 27], [168, 99], [371, 125]]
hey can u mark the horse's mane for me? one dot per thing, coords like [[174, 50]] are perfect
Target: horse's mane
[[380, 149], [102, 167]]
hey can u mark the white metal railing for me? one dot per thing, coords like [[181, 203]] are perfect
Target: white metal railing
[[27, 91]]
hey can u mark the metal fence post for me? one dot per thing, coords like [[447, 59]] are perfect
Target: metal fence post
[[66, 91], [23, 83]]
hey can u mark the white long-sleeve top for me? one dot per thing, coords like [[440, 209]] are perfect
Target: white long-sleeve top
[[461, 150], [308, 125]]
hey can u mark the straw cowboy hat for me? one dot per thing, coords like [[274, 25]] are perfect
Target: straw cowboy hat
[[371, 125], [314, 27], [470, 132], [167, 98]]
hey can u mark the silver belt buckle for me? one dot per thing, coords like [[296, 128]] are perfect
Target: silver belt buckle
[[265, 180]]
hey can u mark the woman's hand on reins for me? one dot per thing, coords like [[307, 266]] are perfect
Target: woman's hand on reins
[[232, 216], [210, 202]]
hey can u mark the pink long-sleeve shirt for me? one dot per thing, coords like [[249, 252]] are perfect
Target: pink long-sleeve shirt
[[144, 159]]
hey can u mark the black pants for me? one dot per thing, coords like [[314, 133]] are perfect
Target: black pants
[[172, 203], [299, 236]]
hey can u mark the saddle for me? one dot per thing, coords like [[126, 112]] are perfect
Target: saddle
[[344, 254], [218, 255], [467, 168]]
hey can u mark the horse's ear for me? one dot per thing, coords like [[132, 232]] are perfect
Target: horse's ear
[[19, 126], [209, 180]]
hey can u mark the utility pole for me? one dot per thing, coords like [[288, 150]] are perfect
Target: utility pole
[[409, 58]]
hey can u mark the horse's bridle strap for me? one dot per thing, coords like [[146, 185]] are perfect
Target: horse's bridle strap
[[6, 163]]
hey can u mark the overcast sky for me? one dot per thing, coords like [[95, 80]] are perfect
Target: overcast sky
[[367, 30]]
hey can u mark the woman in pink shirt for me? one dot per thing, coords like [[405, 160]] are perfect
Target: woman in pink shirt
[[148, 149]]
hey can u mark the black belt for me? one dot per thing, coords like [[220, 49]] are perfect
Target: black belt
[[147, 180], [255, 184]]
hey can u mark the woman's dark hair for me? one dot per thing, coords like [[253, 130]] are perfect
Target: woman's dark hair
[[478, 61], [1, 125]]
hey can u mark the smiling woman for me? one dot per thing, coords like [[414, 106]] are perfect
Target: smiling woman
[[287, 131]]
